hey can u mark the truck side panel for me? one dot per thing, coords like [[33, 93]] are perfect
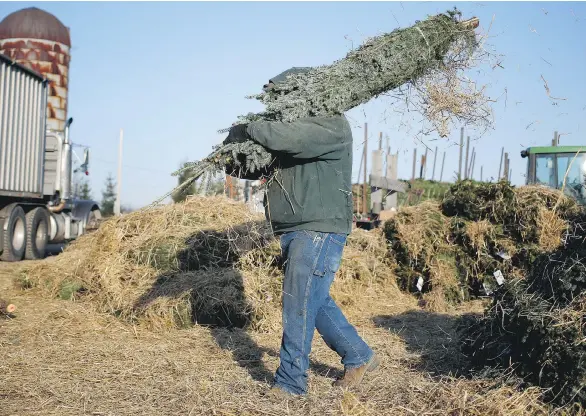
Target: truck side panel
[[52, 164], [23, 106]]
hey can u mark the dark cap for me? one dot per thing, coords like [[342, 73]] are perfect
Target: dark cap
[[277, 79]]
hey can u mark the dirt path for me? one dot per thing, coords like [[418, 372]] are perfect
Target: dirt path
[[7, 272], [63, 358]]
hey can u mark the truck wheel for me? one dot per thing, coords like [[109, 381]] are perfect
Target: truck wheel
[[14, 243], [37, 234]]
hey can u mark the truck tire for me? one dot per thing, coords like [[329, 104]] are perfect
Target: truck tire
[[14, 244], [37, 234]]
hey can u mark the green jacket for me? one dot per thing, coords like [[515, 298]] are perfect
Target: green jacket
[[312, 188]]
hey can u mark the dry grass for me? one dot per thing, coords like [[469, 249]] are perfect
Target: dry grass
[[540, 194], [547, 210], [422, 230], [366, 264], [64, 358], [444, 277], [551, 229], [477, 233], [446, 97]]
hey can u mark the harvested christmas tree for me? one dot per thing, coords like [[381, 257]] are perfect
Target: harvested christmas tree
[[537, 321], [535, 329], [529, 214], [381, 65], [479, 229]]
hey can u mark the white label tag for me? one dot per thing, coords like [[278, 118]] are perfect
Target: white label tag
[[500, 279], [420, 283]]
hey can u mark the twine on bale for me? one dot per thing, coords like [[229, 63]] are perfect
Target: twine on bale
[[425, 39]]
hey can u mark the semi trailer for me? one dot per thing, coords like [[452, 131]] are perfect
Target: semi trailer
[[37, 207]]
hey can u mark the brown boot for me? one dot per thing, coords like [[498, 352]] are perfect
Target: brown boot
[[353, 376]]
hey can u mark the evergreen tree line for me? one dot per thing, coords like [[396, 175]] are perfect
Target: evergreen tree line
[[108, 195], [215, 187]]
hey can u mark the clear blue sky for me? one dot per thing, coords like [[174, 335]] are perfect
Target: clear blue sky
[[171, 74]]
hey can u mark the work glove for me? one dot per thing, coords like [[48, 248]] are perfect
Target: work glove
[[237, 134]]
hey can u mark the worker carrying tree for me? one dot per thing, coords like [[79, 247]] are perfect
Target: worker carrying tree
[[308, 203]]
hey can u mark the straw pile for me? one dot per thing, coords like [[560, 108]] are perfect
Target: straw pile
[[419, 243], [186, 263], [455, 247], [160, 265]]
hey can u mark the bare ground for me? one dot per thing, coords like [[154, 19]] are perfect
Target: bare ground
[[63, 358]]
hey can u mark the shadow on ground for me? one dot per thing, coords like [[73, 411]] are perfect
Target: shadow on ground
[[430, 336], [218, 301], [249, 355]]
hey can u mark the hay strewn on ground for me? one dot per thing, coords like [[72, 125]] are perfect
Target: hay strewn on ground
[[206, 260], [63, 358]]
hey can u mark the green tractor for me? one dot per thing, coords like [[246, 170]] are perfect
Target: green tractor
[[553, 165]]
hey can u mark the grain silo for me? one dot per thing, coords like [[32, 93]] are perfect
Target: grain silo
[[39, 41]]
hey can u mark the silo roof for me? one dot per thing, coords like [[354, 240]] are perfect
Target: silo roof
[[33, 23]]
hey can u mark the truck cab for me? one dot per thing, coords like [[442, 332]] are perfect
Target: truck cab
[[555, 165]]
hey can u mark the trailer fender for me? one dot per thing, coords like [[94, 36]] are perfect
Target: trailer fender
[[82, 209]]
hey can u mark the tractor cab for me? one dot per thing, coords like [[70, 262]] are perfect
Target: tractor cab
[[549, 165]]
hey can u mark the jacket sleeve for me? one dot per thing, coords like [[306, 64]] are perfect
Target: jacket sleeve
[[308, 138]]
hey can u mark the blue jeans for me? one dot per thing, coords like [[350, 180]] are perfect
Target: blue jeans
[[311, 261]]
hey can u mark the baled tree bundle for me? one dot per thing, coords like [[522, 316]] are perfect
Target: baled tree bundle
[[537, 325], [480, 229], [380, 65], [384, 63], [542, 340]]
